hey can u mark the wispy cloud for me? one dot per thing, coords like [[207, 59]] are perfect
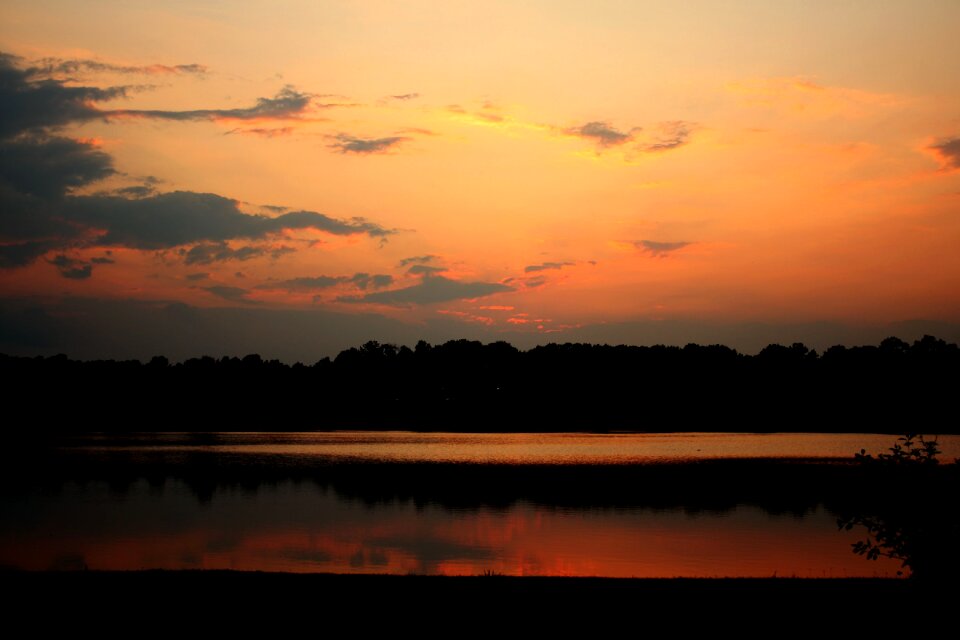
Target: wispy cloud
[[210, 252], [667, 136], [233, 294], [62, 66], [72, 268], [430, 290], [345, 143], [949, 151], [602, 133], [660, 249], [544, 266], [418, 260], [362, 281]]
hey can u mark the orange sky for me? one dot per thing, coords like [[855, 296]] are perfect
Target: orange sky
[[533, 170]]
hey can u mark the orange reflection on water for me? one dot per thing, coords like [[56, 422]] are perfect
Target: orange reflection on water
[[304, 529]]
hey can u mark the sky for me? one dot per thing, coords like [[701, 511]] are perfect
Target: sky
[[294, 178]]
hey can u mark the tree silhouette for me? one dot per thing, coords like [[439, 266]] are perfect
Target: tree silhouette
[[911, 514]]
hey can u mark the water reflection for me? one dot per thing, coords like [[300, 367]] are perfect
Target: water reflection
[[509, 448], [300, 527]]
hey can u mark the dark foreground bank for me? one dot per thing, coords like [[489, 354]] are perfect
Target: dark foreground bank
[[478, 602]]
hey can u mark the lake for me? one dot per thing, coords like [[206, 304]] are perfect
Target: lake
[[393, 502]]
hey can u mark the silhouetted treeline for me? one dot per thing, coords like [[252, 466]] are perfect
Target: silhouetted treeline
[[469, 386]]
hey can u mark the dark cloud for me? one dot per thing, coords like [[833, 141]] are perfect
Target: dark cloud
[[58, 66], [102, 260], [949, 151], [659, 249], [424, 269], [208, 253], [418, 260], [601, 133], [39, 171], [544, 266], [233, 294], [50, 166], [362, 281], [136, 191], [351, 144], [194, 277], [405, 96], [28, 104], [431, 289], [304, 284], [288, 103], [22, 254], [71, 268], [32, 103], [670, 135], [183, 217]]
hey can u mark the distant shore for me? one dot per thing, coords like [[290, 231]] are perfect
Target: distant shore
[[468, 386]]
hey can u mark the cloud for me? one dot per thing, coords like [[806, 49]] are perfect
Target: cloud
[[529, 282], [546, 265], [601, 133], [287, 104], [659, 249], [362, 281], [57, 66], [949, 151], [304, 284], [71, 268], [351, 144], [405, 96], [208, 253], [430, 290], [183, 217], [29, 104], [233, 294], [262, 132], [22, 254], [418, 260], [50, 166], [424, 269], [670, 135], [377, 281], [194, 277], [39, 172], [136, 191]]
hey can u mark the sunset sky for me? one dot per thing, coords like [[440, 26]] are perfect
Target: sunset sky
[[293, 178]]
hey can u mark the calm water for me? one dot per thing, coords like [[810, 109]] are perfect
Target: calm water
[[296, 525], [519, 448]]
